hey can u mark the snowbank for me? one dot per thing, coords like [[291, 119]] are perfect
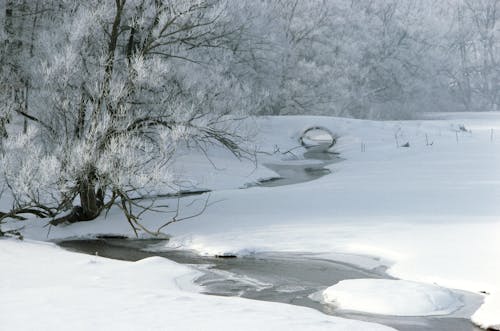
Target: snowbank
[[392, 297], [488, 315], [46, 288]]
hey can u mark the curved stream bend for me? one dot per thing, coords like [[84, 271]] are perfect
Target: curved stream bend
[[276, 277], [285, 278], [299, 171]]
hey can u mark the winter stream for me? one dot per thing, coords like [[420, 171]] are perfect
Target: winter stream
[[290, 278]]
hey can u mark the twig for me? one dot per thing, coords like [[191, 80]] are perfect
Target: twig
[[175, 219]]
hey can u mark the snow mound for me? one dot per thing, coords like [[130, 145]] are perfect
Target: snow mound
[[488, 315], [392, 297]]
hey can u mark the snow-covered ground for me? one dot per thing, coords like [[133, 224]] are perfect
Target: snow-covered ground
[[430, 212]]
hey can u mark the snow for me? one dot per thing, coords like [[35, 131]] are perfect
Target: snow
[[487, 316], [392, 297], [222, 171], [46, 288], [429, 213]]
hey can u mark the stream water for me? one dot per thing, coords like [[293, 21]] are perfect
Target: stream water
[[299, 171], [279, 277]]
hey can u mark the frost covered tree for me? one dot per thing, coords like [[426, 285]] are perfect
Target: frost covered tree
[[472, 46], [356, 59], [374, 59], [294, 66], [115, 87]]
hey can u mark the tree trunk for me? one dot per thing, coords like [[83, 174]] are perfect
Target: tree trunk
[[92, 202], [90, 206]]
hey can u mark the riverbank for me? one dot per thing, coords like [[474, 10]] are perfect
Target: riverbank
[[44, 287], [290, 278], [428, 212]]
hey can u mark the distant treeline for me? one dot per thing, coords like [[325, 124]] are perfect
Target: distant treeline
[[367, 59]]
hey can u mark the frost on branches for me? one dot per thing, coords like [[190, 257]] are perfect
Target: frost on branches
[[114, 87]]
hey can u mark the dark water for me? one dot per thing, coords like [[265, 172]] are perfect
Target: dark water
[[295, 171], [277, 277]]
